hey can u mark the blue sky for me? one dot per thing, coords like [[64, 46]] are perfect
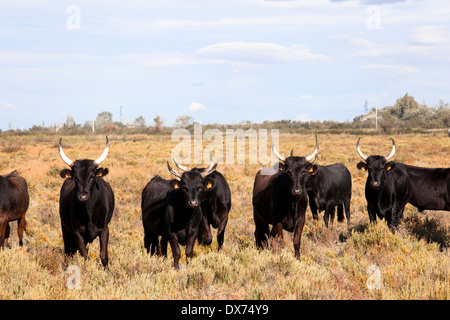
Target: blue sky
[[218, 61]]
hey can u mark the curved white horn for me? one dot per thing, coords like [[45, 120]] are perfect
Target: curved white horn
[[173, 171], [316, 150], [180, 166], [275, 152], [362, 155], [393, 150], [63, 156], [211, 166], [104, 154]]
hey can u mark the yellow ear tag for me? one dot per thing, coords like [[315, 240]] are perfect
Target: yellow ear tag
[[363, 169], [68, 176], [99, 174], [280, 168], [209, 185], [311, 170], [176, 186], [388, 168]]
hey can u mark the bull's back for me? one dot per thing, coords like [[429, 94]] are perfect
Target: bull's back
[[430, 187], [14, 197]]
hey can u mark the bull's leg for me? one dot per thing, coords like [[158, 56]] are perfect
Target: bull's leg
[[329, 214], [347, 210], [21, 225], [164, 242], [104, 237], [70, 246], [3, 227], [7, 234], [372, 214], [277, 231], [298, 234], [190, 248], [81, 245], [340, 212], [151, 241], [261, 232], [176, 252], [205, 235], [221, 231]]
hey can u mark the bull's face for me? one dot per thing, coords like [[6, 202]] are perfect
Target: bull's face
[[377, 167], [191, 187], [193, 182], [296, 170], [84, 174]]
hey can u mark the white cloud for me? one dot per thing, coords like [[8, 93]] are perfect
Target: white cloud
[[195, 106], [302, 118], [401, 69], [431, 35], [259, 52], [4, 105]]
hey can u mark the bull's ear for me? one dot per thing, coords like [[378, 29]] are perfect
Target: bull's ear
[[312, 169], [362, 166], [209, 184], [66, 173], [101, 172], [390, 165], [175, 184]]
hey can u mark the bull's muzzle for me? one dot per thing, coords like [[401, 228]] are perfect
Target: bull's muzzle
[[193, 203], [375, 184], [83, 197]]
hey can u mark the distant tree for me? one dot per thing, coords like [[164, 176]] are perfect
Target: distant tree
[[158, 124], [183, 121], [103, 118], [140, 122], [70, 122], [405, 107]]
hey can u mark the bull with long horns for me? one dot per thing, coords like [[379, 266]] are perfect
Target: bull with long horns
[[388, 186], [281, 199], [172, 209], [86, 205]]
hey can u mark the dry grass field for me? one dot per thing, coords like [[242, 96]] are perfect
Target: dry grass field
[[335, 263]]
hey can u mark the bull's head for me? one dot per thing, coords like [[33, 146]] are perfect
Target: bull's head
[[297, 168], [84, 172], [377, 166], [192, 182]]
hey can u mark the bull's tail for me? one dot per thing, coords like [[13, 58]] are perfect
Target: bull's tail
[[340, 212]]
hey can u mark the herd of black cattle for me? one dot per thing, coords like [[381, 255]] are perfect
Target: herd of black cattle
[[181, 211]]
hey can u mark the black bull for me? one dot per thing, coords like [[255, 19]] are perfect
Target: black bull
[[280, 199], [330, 186], [180, 211], [86, 205], [430, 188], [14, 201], [388, 187]]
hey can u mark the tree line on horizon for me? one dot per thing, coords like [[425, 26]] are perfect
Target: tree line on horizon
[[406, 115]]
